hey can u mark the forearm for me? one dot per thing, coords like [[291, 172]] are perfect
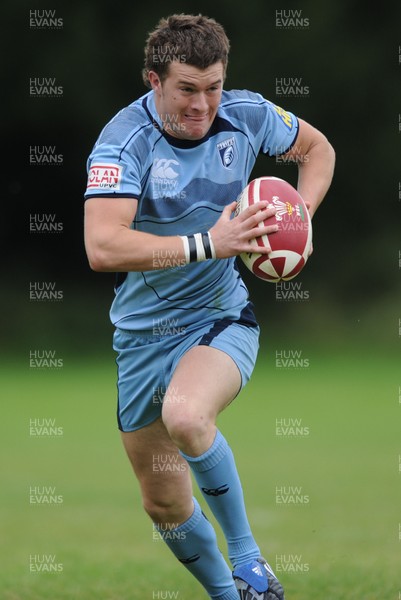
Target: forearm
[[130, 250], [315, 173]]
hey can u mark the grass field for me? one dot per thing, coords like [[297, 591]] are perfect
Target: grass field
[[324, 502]]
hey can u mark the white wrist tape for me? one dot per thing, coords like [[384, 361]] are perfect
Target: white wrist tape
[[198, 247], [186, 247]]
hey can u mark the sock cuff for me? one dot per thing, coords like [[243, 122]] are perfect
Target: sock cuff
[[211, 457], [189, 524]]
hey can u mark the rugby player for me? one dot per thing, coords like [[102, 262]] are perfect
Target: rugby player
[[163, 178]]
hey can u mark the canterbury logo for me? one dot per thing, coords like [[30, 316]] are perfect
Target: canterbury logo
[[162, 168], [191, 559], [223, 489]]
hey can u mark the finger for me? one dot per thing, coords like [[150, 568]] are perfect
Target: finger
[[266, 230], [253, 209], [253, 236], [252, 248], [259, 230], [254, 214], [229, 209]]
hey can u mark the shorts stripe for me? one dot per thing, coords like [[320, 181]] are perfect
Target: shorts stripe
[[217, 328], [246, 318], [120, 425]]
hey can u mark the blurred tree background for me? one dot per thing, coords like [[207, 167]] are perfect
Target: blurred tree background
[[346, 58]]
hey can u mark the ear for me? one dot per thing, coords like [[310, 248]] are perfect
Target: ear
[[154, 81]]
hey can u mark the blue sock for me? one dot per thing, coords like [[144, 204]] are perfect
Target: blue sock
[[216, 474], [194, 543]]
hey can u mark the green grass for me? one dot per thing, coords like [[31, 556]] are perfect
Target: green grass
[[345, 538]]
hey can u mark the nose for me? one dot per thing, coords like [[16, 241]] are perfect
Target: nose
[[199, 102]]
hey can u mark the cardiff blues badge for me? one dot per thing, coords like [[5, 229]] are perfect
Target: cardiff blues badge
[[228, 152]]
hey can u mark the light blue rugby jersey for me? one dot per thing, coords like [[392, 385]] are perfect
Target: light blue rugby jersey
[[182, 187]]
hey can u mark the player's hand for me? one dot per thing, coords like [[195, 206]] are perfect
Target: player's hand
[[231, 236]]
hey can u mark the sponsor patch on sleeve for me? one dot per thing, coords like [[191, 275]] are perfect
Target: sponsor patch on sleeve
[[104, 176], [284, 116]]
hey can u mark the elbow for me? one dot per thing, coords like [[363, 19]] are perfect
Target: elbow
[[332, 159], [327, 154], [96, 265], [332, 153], [324, 147], [99, 261]]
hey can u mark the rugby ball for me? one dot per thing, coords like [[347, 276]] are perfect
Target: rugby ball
[[291, 244]]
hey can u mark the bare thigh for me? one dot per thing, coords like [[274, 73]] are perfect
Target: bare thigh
[[205, 381]]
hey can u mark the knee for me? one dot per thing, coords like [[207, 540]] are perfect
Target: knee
[[189, 431], [157, 510], [167, 511]]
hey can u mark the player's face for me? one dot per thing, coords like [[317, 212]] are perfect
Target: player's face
[[188, 99]]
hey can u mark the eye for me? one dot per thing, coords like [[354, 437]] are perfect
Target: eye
[[213, 89]]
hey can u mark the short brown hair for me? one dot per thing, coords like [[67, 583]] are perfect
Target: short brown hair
[[192, 39]]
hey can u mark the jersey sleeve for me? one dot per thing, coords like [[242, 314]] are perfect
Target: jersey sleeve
[[112, 172], [280, 132]]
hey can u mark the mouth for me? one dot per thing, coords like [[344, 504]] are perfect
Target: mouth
[[197, 118]]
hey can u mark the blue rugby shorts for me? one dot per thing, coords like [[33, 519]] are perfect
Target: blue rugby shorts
[[147, 360]]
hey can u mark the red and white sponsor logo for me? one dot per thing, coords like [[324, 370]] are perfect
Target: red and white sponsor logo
[[104, 176]]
